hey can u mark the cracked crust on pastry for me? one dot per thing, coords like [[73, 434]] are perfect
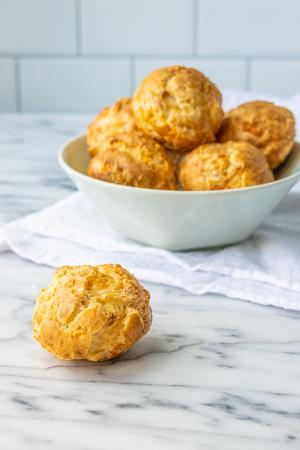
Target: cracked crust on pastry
[[263, 124], [224, 166], [91, 312], [112, 120], [178, 106], [133, 160]]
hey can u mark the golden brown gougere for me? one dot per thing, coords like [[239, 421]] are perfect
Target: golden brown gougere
[[178, 106], [133, 160], [224, 166], [112, 120], [91, 312], [263, 124]]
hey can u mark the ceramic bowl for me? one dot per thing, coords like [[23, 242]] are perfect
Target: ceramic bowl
[[179, 220]]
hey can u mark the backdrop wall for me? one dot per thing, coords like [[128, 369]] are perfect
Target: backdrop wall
[[78, 55]]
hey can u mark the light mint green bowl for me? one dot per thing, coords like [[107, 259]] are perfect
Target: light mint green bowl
[[179, 220]]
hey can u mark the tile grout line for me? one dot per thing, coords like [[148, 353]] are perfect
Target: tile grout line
[[18, 85], [103, 56], [195, 27], [78, 30]]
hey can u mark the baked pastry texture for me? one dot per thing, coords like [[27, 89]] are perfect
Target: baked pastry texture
[[91, 312], [224, 166], [133, 160], [112, 120], [179, 107], [263, 124]]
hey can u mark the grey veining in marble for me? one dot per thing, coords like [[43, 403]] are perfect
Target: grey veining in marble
[[211, 374]]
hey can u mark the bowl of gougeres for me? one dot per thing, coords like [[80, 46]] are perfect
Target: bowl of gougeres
[[169, 168]]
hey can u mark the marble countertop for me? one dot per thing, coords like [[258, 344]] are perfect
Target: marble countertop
[[213, 373]]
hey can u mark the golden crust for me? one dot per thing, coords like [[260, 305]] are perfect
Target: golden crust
[[133, 160], [224, 166], [179, 107], [263, 124], [91, 312], [112, 120]]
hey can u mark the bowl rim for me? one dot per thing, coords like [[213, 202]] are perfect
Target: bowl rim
[[68, 169]]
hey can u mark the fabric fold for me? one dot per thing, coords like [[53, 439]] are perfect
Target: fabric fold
[[264, 269]]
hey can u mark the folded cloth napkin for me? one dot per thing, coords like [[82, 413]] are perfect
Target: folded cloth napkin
[[264, 269]]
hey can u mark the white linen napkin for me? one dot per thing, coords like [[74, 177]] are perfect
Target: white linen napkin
[[264, 269]]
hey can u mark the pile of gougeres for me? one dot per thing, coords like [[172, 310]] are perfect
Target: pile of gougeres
[[173, 134]]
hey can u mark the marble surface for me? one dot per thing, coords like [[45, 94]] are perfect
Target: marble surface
[[213, 373]]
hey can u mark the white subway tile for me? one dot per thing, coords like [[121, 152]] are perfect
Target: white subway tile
[[249, 27], [70, 85], [137, 26], [37, 26], [7, 85], [225, 73], [278, 77]]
